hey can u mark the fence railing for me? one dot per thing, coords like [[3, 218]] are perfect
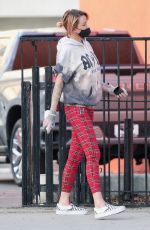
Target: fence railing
[[122, 126]]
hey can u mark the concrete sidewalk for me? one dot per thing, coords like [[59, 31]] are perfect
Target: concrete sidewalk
[[14, 217], [45, 218]]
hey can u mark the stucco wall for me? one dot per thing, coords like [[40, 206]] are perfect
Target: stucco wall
[[133, 16]]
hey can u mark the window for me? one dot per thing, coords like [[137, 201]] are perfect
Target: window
[[38, 58], [3, 44]]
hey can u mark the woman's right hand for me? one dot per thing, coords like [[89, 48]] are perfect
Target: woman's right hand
[[49, 121]]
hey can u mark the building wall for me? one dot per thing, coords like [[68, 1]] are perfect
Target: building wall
[[132, 16], [27, 22], [35, 8], [16, 14]]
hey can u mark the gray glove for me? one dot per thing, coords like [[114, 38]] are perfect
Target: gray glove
[[49, 120]]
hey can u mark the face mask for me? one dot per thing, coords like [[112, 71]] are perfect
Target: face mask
[[85, 33]]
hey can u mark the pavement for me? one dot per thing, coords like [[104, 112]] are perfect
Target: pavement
[[10, 193], [15, 217], [45, 218]]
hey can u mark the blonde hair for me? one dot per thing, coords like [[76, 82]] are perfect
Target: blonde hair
[[70, 20]]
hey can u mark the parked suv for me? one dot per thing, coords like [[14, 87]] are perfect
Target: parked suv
[[10, 92]]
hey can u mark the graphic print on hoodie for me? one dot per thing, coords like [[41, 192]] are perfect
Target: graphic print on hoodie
[[81, 72]]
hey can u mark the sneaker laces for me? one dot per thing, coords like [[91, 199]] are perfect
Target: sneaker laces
[[76, 208], [110, 207]]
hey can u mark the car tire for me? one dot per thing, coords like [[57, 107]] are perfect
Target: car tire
[[16, 152]]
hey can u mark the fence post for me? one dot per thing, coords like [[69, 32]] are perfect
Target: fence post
[[26, 145], [77, 187], [62, 143], [83, 180], [48, 139], [127, 159], [36, 133]]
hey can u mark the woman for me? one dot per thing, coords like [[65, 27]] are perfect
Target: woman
[[79, 87]]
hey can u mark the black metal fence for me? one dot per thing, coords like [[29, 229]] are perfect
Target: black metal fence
[[122, 126]]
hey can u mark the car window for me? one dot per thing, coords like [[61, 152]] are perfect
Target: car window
[[108, 50], [29, 54], [3, 44]]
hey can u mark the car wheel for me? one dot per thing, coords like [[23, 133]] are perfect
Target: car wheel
[[16, 152]]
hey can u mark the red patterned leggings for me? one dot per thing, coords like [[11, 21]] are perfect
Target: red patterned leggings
[[83, 142]]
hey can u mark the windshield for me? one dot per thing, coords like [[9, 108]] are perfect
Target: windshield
[[3, 44]]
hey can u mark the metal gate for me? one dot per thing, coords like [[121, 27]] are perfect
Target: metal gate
[[122, 126]]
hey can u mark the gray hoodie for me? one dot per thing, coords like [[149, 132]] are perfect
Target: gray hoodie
[[81, 73]]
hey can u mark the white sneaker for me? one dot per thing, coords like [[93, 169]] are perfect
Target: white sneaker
[[108, 210], [70, 210]]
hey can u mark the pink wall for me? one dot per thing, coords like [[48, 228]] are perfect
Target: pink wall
[[130, 15]]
